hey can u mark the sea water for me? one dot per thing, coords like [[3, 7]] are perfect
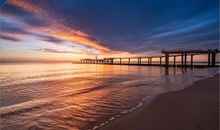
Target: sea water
[[66, 96]]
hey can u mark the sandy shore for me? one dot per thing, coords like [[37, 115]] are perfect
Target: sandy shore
[[194, 108]]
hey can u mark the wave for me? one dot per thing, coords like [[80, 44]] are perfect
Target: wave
[[24, 106]]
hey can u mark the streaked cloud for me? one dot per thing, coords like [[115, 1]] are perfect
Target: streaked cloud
[[47, 38], [56, 28], [50, 50], [54, 51], [9, 38], [12, 28]]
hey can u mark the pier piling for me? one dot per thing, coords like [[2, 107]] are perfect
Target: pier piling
[[191, 61], [213, 58], [167, 59], [160, 60], [174, 60], [185, 60]]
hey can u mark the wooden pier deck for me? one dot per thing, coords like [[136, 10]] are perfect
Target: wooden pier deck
[[167, 55]]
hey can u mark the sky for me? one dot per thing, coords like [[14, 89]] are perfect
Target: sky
[[67, 30]]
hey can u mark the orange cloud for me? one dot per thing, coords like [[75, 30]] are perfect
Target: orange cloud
[[59, 29]]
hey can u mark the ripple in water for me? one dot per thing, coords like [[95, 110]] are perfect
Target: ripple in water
[[80, 97]]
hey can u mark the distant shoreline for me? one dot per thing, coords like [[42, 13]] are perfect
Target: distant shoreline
[[196, 107]]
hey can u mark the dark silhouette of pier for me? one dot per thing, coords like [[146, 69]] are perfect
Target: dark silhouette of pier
[[167, 55]]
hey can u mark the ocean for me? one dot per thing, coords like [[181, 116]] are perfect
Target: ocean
[[66, 96]]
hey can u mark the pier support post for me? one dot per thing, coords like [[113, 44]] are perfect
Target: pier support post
[[120, 60], [182, 59], [160, 60], [129, 61], [185, 60], [167, 59], [174, 60], [139, 60], [213, 59], [191, 60], [209, 58], [148, 60]]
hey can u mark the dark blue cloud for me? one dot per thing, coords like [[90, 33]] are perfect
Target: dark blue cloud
[[36, 21], [49, 50], [9, 38], [12, 28], [49, 38], [2, 2], [28, 17], [15, 11]]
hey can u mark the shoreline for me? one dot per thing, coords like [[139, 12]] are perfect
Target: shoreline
[[195, 107]]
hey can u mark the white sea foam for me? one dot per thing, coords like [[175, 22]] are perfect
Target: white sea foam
[[124, 112]]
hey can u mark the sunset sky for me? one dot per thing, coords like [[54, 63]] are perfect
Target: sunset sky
[[65, 30]]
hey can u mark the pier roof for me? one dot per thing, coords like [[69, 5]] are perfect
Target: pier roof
[[200, 51]]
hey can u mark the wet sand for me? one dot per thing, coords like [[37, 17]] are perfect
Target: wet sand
[[194, 108]]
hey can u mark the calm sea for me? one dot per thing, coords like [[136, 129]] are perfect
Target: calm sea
[[66, 96]]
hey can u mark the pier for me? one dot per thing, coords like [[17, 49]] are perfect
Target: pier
[[162, 60]]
